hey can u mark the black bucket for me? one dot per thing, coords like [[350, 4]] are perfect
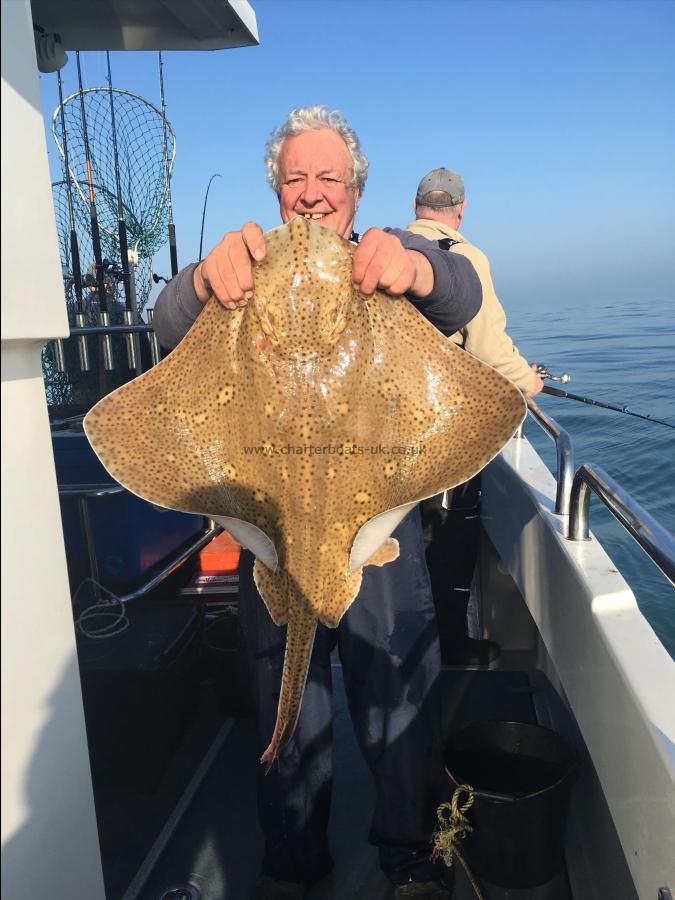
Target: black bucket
[[223, 663], [522, 776]]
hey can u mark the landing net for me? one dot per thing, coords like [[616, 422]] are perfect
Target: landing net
[[141, 150]]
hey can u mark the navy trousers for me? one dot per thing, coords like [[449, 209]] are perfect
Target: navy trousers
[[388, 646]]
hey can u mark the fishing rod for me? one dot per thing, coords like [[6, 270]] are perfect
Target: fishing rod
[[556, 392], [104, 316], [206, 197], [74, 246], [129, 312], [167, 166]]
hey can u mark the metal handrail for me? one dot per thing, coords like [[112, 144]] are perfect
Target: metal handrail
[[85, 492], [89, 491], [657, 543], [564, 455], [111, 329], [171, 566]]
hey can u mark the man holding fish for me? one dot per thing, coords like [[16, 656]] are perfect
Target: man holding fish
[[387, 639]]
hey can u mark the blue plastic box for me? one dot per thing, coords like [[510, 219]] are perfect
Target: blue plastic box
[[131, 536]]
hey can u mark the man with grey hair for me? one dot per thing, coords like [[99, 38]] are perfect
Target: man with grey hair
[[452, 533], [388, 639]]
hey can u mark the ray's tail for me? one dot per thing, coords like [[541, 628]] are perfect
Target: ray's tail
[[299, 642]]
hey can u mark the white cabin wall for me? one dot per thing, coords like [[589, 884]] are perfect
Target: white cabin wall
[[32, 287], [49, 836]]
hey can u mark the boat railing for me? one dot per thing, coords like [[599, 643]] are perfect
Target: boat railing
[[84, 493], [564, 455], [657, 543], [573, 490]]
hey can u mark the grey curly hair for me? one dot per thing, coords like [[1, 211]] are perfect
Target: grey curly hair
[[307, 118]]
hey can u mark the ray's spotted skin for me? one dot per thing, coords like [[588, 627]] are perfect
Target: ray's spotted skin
[[308, 423]]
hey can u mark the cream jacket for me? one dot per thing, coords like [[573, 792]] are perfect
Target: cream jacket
[[485, 336]]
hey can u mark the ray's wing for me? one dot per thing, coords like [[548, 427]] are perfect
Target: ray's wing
[[181, 435], [431, 416], [446, 413]]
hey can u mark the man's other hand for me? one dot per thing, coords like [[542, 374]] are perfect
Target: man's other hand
[[227, 271], [381, 261], [538, 384]]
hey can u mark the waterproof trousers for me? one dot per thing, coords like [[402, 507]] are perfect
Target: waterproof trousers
[[388, 646], [452, 538]]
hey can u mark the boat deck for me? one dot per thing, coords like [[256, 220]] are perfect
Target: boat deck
[[216, 843]]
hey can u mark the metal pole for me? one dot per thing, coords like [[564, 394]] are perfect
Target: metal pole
[[104, 317], [129, 312], [564, 457], [154, 343], [167, 167], [641, 525], [74, 246]]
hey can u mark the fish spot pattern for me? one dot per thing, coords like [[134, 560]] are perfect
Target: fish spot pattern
[[316, 376]]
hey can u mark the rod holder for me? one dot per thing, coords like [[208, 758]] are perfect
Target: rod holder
[[106, 342], [82, 346], [133, 354], [59, 355], [154, 343]]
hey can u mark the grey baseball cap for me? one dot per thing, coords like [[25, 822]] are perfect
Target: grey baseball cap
[[441, 180]]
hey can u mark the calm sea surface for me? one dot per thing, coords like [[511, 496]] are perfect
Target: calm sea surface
[[620, 354]]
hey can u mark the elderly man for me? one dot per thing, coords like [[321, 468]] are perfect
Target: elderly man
[[452, 534], [388, 640]]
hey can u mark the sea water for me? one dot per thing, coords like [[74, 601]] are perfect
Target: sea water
[[623, 354]]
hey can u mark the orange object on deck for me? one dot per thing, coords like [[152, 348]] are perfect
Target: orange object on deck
[[220, 556]]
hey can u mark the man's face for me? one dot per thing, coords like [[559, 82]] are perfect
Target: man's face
[[315, 172]]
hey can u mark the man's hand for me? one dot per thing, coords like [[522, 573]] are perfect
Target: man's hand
[[227, 271], [380, 261], [538, 384]]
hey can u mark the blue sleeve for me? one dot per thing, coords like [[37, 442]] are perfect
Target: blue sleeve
[[176, 309], [454, 300], [457, 294]]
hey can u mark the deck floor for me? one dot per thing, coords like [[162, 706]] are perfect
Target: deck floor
[[217, 845]]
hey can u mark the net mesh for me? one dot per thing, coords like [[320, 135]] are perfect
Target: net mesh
[[142, 271], [142, 159], [73, 391], [139, 128]]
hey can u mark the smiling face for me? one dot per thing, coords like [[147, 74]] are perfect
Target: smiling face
[[315, 170]]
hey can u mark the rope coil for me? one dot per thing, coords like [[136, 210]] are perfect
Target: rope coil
[[453, 826]]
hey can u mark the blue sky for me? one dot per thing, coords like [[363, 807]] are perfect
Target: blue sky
[[559, 115]]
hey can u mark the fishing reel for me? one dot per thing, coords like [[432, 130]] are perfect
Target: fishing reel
[[543, 372], [113, 269]]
